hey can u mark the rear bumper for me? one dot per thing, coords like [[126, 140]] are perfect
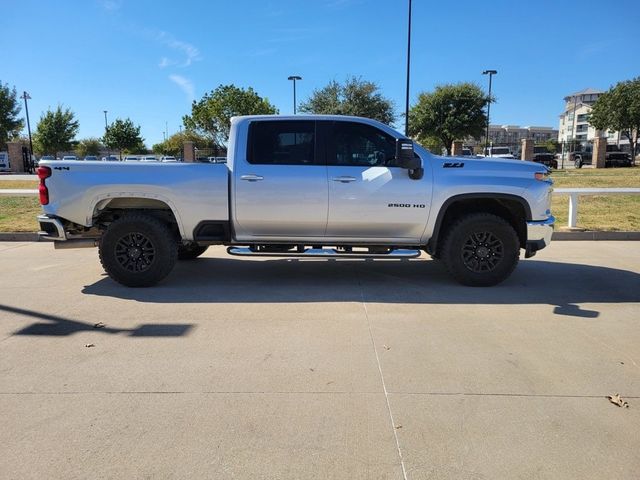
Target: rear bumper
[[539, 235], [51, 228]]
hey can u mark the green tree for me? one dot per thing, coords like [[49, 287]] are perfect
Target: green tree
[[88, 146], [211, 115], [55, 132], [551, 145], [174, 145], [619, 109], [10, 124], [451, 112], [355, 97], [123, 135]]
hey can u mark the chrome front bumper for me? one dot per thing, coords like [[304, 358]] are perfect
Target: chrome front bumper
[[539, 235]]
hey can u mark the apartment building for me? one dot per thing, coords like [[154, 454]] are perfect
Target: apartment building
[[574, 120]]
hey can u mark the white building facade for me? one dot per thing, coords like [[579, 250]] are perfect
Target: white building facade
[[574, 124]]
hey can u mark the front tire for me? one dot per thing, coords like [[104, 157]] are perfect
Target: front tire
[[138, 250], [481, 250]]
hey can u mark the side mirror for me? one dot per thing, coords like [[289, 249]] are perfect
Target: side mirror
[[405, 156]]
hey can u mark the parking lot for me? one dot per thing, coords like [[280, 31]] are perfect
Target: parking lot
[[291, 369]]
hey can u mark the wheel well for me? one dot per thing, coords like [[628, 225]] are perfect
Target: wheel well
[[110, 210], [512, 210]]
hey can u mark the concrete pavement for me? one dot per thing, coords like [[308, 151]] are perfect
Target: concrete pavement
[[282, 368]]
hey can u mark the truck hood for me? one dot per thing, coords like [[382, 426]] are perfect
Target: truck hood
[[490, 165]]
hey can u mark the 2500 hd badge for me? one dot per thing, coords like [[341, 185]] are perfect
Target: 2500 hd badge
[[407, 205]]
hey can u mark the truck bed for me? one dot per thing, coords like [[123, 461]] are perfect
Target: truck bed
[[193, 191]]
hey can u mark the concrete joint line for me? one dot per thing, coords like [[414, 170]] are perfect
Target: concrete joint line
[[384, 386]]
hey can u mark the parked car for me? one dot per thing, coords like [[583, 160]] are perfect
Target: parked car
[[4, 162], [110, 158], [69, 157], [90, 158], [499, 152], [168, 159], [217, 159], [368, 192], [547, 159], [130, 158], [614, 157], [149, 158]]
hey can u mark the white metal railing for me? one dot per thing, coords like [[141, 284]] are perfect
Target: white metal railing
[[18, 192], [575, 193]]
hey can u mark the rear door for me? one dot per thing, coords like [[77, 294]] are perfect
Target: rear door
[[370, 197], [281, 185]]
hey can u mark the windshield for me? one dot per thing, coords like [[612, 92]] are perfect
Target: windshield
[[499, 151]]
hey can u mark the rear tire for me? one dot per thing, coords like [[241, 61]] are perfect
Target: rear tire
[[481, 249], [190, 252], [138, 250]]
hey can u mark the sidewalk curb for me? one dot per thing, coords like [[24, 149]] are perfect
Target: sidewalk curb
[[596, 236], [557, 236], [19, 237]]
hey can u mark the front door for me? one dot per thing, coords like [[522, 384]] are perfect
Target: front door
[[371, 198], [281, 186]]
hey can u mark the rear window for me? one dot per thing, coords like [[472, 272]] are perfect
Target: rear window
[[282, 143]]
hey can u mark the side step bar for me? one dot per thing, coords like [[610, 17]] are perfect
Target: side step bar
[[322, 253]]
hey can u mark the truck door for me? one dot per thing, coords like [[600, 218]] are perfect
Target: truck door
[[369, 196], [281, 186]]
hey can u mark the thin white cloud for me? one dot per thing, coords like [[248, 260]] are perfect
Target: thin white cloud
[[165, 62], [185, 85], [191, 53]]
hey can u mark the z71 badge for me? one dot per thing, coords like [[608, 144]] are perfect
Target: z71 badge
[[453, 165]]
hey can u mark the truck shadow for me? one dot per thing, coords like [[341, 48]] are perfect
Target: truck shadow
[[58, 326], [418, 281]]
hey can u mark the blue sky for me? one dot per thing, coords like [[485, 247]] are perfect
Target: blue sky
[[148, 60]]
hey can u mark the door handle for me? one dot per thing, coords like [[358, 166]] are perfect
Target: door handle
[[344, 179], [251, 178]]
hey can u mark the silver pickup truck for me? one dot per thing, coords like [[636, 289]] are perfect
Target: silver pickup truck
[[302, 186]]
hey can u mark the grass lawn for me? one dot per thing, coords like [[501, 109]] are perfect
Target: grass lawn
[[605, 213], [610, 213]]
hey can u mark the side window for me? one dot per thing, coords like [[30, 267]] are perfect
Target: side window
[[357, 144], [282, 143]]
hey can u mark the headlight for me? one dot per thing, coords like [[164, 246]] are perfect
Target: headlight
[[542, 176]]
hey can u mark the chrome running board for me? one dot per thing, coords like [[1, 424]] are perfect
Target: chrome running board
[[322, 253]]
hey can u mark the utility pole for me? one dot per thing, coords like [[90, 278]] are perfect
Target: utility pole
[[25, 97], [491, 73], [406, 107], [294, 78]]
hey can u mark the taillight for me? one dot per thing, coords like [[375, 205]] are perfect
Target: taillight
[[43, 172]]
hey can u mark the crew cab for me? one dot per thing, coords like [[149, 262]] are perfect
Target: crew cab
[[317, 186]]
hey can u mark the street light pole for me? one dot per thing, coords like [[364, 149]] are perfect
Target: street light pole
[[294, 78], [491, 73], [26, 97], [406, 107]]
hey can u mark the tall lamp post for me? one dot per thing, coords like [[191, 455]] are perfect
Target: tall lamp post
[[406, 106], [491, 73], [106, 128], [294, 78], [25, 97]]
